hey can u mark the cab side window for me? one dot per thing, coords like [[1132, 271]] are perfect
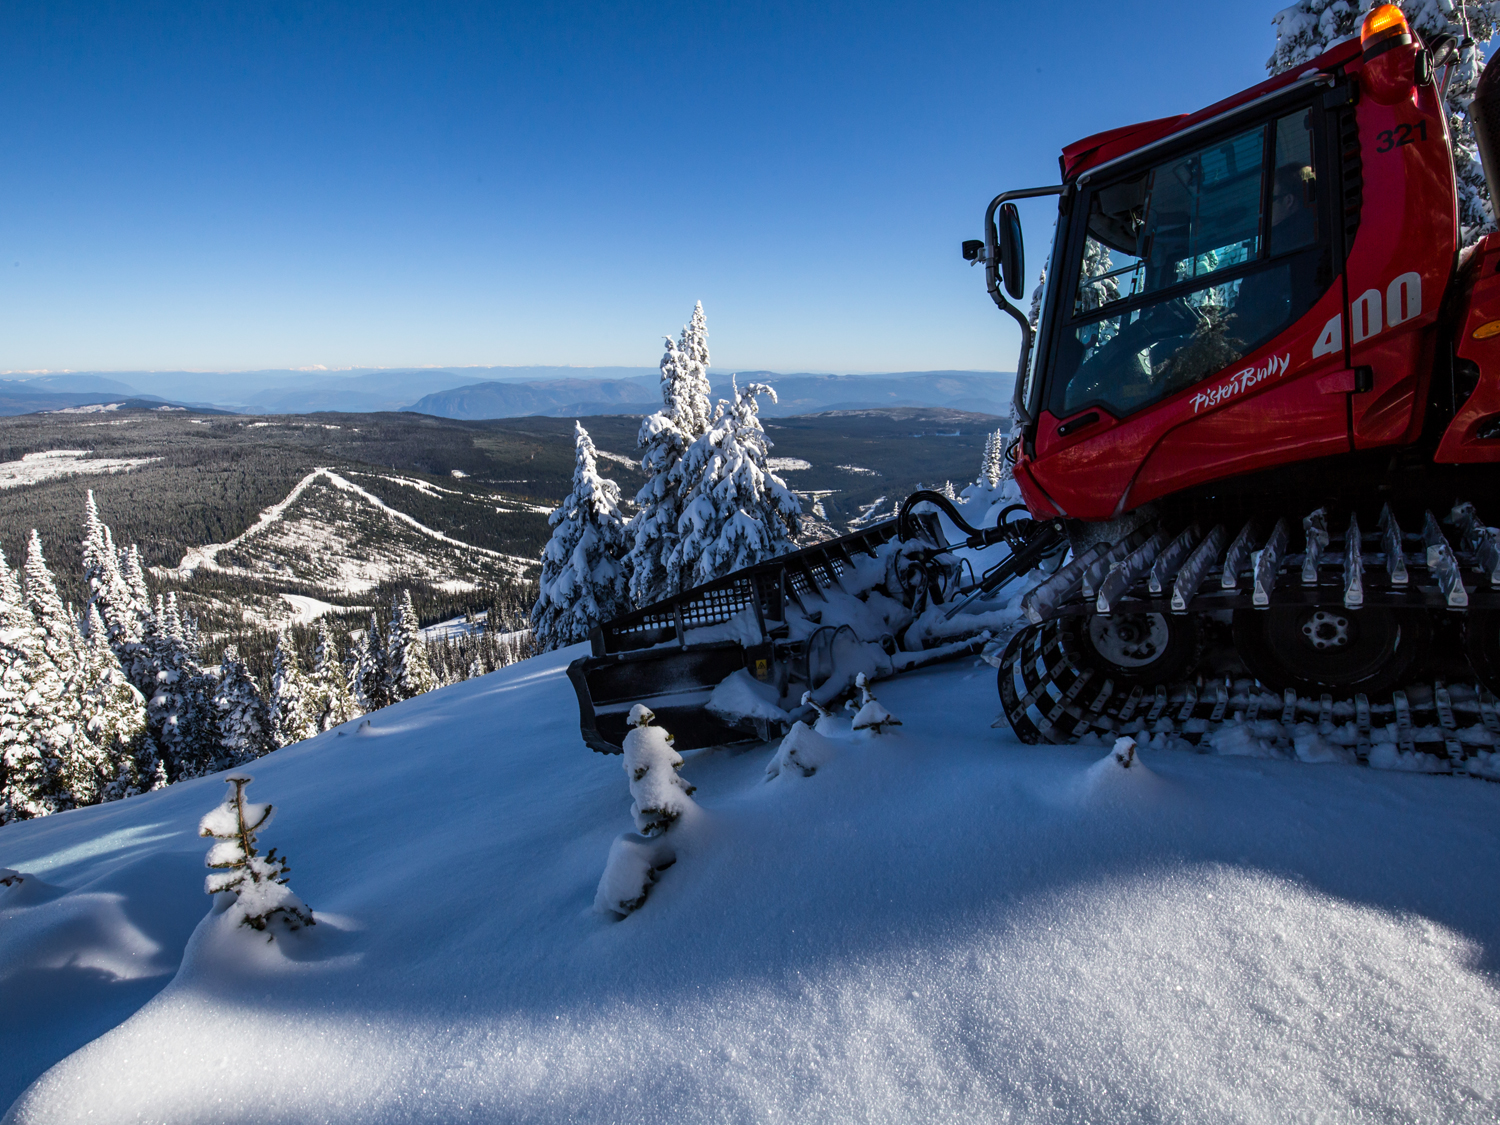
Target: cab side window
[[1188, 265]]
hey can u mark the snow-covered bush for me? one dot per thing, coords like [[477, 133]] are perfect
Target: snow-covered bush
[[258, 882], [802, 751], [872, 715], [659, 799], [660, 795], [583, 582], [635, 863]]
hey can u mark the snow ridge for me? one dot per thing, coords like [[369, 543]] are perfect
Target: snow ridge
[[206, 557]]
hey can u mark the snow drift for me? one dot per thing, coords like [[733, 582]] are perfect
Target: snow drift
[[936, 925]]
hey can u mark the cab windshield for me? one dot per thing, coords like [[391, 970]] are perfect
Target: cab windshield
[[1189, 265]]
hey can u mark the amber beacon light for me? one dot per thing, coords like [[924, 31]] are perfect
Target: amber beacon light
[[1385, 27]]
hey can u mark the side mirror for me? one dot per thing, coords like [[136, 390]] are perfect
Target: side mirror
[[1012, 252]]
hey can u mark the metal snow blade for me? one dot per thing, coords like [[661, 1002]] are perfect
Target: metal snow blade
[[792, 624]]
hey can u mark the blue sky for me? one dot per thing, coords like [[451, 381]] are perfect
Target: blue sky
[[254, 185]]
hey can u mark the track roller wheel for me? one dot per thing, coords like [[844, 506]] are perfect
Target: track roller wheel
[[1058, 679], [1133, 648], [1313, 649], [1482, 645]]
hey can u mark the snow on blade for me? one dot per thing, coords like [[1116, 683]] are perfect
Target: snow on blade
[[938, 926]]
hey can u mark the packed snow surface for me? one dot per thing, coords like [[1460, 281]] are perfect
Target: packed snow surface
[[937, 925], [34, 468]]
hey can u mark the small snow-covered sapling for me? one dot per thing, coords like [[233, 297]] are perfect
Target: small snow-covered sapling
[[872, 716], [809, 701], [9, 878], [651, 765], [1125, 751], [257, 881]]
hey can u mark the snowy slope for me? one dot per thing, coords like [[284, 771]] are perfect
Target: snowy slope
[[329, 531], [938, 925]]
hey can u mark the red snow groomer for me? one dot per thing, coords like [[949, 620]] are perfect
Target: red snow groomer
[[1262, 417]]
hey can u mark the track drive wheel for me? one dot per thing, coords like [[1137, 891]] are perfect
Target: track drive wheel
[[1482, 645], [1058, 678], [1314, 649], [1134, 648]]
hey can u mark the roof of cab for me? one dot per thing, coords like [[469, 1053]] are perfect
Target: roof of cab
[[1090, 152]]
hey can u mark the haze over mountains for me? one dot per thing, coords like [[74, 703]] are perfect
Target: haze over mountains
[[475, 393]]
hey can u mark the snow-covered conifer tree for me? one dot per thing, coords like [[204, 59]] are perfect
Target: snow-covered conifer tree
[[407, 673], [258, 882], [244, 725], [735, 511], [659, 799], [583, 583], [134, 574], [114, 714], [1310, 27], [332, 702], [659, 795], [33, 747], [58, 694], [62, 640], [367, 680], [665, 436], [179, 695], [291, 713], [108, 588]]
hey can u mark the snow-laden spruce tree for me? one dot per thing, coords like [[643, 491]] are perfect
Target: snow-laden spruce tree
[[291, 716], [332, 701], [367, 676], [1310, 27], [33, 743], [124, 615], [583, 582], [735, 511], [665, 436], [87, 767], [258, 882], [179, 695], [244, 724], [407, 673], [113, 712]]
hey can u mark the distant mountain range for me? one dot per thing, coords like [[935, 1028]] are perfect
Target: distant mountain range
[[979, 392], [475, 393]]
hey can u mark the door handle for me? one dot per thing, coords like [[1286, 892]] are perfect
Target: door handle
[[1076, 424]]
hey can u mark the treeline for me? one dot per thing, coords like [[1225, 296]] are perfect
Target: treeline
[[120, 699]]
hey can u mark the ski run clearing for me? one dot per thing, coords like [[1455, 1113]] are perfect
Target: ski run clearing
[[331, 543], [34, 468], [938, 925]]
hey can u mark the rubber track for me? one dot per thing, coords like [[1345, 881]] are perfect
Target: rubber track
[[1048, 695]]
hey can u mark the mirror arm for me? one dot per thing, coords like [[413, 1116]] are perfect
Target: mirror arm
[[992, 283]]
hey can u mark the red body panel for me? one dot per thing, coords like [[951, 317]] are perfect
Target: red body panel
[[1282, 404], [1461, 441], [1402, 258], [1265, 410]]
